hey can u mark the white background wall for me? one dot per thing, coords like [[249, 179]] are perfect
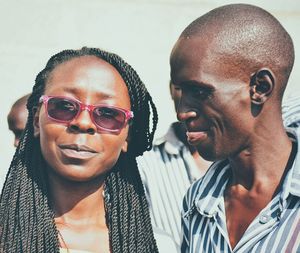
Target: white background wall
[[142, 32]]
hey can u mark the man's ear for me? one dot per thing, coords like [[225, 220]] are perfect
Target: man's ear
[[261, 86], [36, 123]]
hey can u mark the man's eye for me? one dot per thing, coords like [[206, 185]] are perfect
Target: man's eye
[[201, 93]]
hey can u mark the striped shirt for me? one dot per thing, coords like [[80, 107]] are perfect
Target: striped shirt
[[167, 171], [275, 229], [291, 111]]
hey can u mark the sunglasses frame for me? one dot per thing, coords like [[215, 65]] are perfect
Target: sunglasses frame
[[90, 108]]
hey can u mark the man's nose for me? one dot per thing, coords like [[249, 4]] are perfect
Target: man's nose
[[184, 110], [184, 116]]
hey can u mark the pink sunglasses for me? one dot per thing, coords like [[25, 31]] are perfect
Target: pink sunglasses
[[105, 117]]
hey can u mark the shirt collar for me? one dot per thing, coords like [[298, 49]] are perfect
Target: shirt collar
[[212, 185], [291, 111], [172, 144], [291, 184]]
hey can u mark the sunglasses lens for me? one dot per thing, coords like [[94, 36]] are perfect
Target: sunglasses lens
[[62, 109], [109, 118]]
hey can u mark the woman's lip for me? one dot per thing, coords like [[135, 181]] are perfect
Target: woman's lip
[[74, 154], [77, 147], [195, 138], [75, 151]]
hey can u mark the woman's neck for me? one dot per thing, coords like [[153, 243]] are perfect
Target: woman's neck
[[77, 203]]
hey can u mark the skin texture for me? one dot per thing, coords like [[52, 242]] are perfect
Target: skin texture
[[76, 178], [230, 104], [17, 118]]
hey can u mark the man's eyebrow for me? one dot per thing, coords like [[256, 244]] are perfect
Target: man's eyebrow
[[196, 84]]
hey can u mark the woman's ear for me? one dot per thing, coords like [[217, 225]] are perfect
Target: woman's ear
[[125, 146], [261, 86], [126, 143], [36, 123]]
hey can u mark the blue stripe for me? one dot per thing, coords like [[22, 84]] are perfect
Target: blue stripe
[[203, 228]]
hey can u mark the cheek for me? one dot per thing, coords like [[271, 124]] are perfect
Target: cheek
[[111, 147], [234, 110], [48, 136], [114, 143]]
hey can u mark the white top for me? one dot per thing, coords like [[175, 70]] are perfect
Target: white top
[[167, 171]]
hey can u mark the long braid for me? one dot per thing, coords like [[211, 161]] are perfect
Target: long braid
[[25, 215], [26, 218], [126, 201]]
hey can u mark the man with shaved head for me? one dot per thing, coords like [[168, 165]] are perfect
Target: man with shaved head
[[17, 118], [232, 66]]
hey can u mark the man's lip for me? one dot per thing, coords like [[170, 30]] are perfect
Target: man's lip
[[195, 138], [77, 147]]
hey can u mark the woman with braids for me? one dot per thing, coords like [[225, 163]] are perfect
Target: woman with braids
[[73, 184]]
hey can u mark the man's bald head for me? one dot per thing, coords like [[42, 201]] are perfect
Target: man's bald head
[[246, 37], [17, 118]]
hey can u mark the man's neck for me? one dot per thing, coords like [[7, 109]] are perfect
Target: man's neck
[[262, 165], [257, 176]]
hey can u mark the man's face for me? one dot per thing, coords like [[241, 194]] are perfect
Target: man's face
[[17, 119], [215, 101]]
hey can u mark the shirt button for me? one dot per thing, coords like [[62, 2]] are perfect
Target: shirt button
[[264, 218], [278, 215]]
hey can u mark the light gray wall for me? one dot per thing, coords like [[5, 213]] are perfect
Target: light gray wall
[[142, 32]]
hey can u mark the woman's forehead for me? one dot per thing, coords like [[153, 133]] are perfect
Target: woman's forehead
[[87, 75]]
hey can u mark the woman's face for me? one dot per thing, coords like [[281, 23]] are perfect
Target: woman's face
[[79, 151]]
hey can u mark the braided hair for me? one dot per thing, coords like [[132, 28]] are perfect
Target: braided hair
[[26, 217]]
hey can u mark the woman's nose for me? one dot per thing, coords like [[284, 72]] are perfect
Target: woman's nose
[[83, 123]]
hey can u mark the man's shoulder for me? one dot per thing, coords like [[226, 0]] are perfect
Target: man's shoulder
[[192, 193], [168, 144], [151, 158]]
